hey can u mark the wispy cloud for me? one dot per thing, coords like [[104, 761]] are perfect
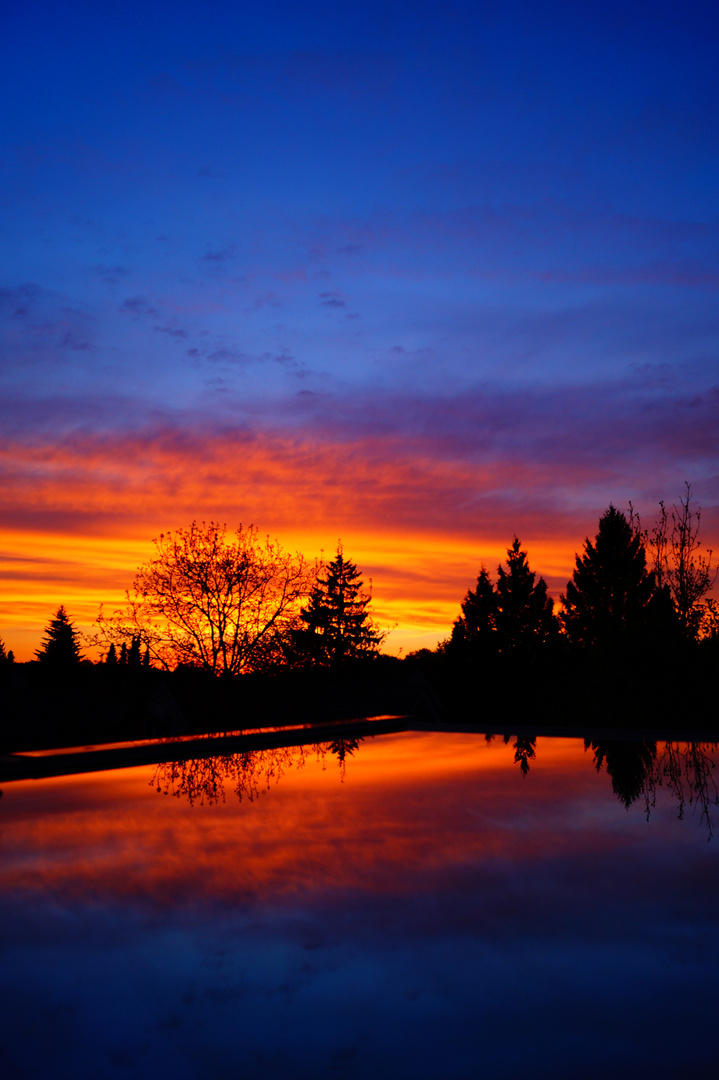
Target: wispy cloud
[[332, 299], [138, 305], [219, 255]]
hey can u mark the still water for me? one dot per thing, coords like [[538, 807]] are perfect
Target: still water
[[415, 905]]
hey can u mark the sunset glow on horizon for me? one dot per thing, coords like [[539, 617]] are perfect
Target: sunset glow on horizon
[[415, 280]]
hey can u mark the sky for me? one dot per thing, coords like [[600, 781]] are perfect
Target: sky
[[418, 277]]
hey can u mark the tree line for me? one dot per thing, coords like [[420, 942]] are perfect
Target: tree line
[[234, 603], [230, 604], [630, 589]]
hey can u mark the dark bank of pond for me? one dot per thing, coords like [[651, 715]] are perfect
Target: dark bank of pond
[[413, 903], [45, 708]]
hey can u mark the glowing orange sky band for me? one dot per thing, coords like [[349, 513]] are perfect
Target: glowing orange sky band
[[78, 518]]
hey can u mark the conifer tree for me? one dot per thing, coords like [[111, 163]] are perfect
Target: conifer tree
[[61, 644], [475, 631], [517, 613], [336, 623], [525, 613], [6, 657], [111, 657], [609, 599], [133, 657]]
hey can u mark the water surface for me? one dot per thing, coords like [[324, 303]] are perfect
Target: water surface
[[412, 905]]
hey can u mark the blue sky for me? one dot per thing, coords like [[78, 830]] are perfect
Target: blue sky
[[485, 234]]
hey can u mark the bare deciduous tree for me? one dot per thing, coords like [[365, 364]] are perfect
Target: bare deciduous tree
[[680, 563], [212, 600]]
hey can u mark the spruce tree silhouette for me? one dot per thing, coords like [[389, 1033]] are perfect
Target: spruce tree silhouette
[[337, 625], [134, 657], [61, 645], [516, 614], [525, 616], [609, 600], [629, 765], [475, 631]]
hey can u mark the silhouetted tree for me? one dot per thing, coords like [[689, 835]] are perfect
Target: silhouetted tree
[[336, 624], [609, 599], [61, 645], [515, 614], [133, 657], [111, 657], [710, 620], [211, 600], [525, 615], [681, 566], [6, 657], [123, 653], [475, 631]]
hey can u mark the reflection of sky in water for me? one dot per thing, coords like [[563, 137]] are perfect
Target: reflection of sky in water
[[437, 914]]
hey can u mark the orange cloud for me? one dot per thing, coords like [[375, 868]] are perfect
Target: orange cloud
[[79, 516]]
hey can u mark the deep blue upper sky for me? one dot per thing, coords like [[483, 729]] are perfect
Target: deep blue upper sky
[[491, 227]]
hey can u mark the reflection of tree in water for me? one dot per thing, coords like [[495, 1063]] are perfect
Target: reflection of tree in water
[[525, 749], [524, 752], [638, 769], [203, 779], [342, 749], [686, 769], [629, 764]]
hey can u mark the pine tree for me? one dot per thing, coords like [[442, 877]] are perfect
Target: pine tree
[[6, 657], [515, 614], [610, 599], [525, 613], [111, 657], [134, 657], [61, 645], [475, 631], [337, 625]]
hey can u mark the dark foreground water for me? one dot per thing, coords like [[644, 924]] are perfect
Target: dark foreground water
[[424, 910]]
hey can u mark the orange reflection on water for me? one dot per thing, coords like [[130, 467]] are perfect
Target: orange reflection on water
[[407, 806]]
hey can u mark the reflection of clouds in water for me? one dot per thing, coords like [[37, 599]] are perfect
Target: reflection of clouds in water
[[637, 770], [398, 923], [425, 982]]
